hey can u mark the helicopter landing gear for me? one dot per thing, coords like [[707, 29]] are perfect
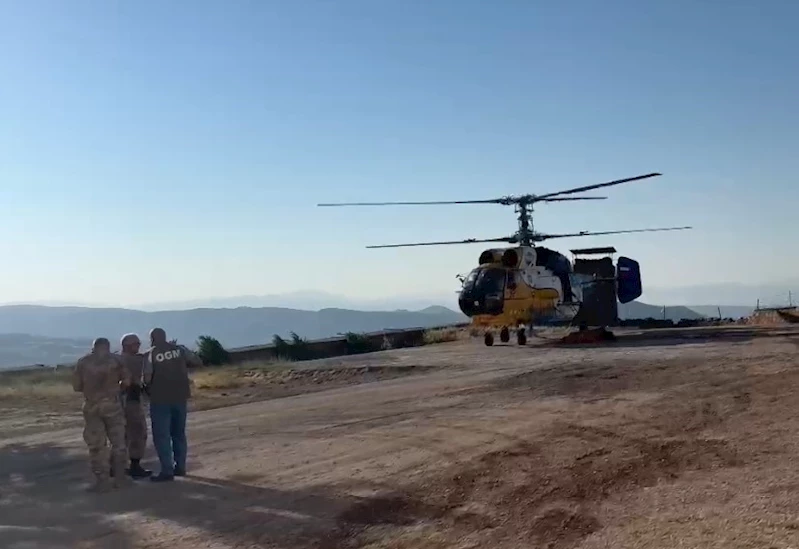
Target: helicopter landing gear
[[504, 336]]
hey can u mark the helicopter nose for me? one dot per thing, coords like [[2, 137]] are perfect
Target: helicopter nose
[[467, 303]]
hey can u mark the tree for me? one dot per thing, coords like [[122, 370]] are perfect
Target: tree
[[211, 351]]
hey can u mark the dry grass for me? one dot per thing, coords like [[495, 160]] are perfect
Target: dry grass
[[444, 335], [51, 382], [36, 383], [37, 400], [215, 378]]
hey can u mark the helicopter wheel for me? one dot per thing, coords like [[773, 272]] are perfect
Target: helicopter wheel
[[504, 335], [521, 337], [488, 339]]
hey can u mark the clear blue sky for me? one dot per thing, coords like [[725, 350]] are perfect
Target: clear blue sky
[[155, 151]]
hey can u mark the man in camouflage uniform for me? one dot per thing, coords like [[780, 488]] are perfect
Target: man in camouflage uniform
[[166, 377], [135, 422], [99, 376]]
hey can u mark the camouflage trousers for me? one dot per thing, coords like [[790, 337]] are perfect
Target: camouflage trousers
[[135, 428], [104, 422]]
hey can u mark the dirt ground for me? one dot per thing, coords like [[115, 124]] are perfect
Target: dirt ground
[[660, 444], [47, 402]]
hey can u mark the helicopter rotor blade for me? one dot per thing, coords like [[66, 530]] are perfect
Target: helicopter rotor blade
[[569, 198], [507, 239], [540, 237], [434, 202], [597, 186], [505, 200]]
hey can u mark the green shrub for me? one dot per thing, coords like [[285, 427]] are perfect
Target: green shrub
[[296, 349], [300, 350], [282, 347], [358, 343], [211, 351]]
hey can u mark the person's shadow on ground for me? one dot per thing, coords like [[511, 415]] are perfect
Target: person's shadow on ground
[[44, 503]]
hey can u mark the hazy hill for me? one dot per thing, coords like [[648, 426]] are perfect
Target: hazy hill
[[636, 309], [31, 334], [233, 327], [727, 311], [772, 294], [306, 300]]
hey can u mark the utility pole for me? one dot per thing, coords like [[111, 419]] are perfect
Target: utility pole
[[790, 299]]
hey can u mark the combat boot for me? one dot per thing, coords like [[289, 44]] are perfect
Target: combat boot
[[122, 482], [161, 477], [101, 485], [137, 471], [118, 472]]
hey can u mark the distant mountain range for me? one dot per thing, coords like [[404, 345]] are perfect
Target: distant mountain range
[[305, 300], [233, 327], [772, 294], [36, 334], [677, 312]]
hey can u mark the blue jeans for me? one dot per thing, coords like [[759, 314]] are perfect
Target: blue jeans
[[169, 435]]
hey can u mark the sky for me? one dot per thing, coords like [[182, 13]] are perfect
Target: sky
[[161, 151]]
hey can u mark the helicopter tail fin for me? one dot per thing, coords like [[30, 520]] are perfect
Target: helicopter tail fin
[[628, 275]]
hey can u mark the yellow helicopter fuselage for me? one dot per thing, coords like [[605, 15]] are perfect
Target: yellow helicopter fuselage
[[521, 304], [517, 287]]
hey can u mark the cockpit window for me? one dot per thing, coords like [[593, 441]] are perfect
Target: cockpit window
[[492, 281], [468, 283]]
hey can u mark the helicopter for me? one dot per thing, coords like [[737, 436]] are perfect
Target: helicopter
[[526, 284]]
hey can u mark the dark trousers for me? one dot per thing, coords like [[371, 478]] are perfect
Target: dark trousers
[[169, 435]]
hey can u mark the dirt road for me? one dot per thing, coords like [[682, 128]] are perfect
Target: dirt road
[[661, 445]]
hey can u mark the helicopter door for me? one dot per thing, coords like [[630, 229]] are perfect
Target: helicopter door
[[510, 282], [492, 285], [628, 276]]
